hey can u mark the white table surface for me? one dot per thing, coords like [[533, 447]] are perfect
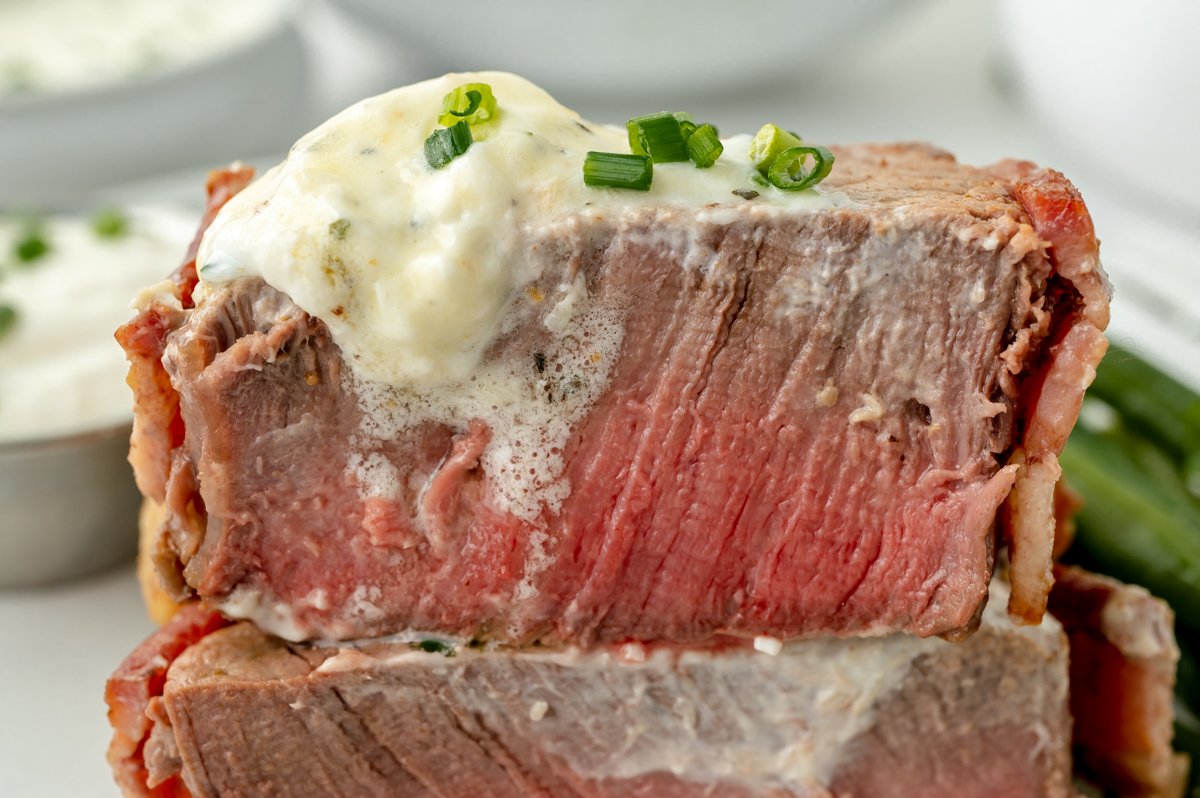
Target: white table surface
[[929, 74]]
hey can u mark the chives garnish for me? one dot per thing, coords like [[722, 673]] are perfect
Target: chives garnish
[[687, 124], [703, 147], [8, 319], [768, 143], [618, 170], [32, 243], [788, 173], [109, 223], [659, 136], [471, 101], [447, 143]]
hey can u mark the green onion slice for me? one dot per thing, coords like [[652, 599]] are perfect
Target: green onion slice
[[472, 102], [8, 319], [659, 136], [618, 170], [446, 144], [769, 142], [703, 147], [110, 223], [687, 125], [789, 174]]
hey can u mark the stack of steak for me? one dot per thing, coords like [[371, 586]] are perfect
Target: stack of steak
[[773, 572]]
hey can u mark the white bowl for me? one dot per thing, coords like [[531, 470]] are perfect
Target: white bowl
[[626, 47], [54, 148], [68, 506], [1118, 82]]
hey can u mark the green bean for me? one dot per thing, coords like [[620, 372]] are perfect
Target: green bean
[[1138, 528], [1152, 403]]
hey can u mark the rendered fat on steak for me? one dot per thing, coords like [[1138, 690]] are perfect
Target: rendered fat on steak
[[490, 401], [242, 713]]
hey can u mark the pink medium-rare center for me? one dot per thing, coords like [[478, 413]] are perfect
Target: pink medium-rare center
[[807, 430]]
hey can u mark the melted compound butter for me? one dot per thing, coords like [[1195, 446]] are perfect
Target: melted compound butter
[[415, 270]]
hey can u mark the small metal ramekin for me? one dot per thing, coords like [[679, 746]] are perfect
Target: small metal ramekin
[[68, 506]]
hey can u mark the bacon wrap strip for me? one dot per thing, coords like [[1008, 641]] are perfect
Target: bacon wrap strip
[[133, 693], [1062, 222], [1123, 660], [157, 425]]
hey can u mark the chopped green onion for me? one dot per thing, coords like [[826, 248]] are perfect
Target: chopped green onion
[[659, 136], [686, 123], [703, 147], [759, 180], [788, 173], [110, 223], [8, 319], [769, 142], [618, 170], [446, 144], [32, 243], [473, 98], [471, 101]]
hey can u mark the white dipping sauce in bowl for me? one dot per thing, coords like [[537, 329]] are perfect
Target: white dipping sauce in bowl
[[61, 371], [50, 46], [68, 503]]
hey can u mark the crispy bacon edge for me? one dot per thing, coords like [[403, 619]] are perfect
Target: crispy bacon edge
[[1055, 392], [158, 426], [135, 686]]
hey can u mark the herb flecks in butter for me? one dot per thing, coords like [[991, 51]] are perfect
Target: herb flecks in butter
[[435, 647]]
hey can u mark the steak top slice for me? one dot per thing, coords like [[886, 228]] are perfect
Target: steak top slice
[[744, 418], [895, 716]]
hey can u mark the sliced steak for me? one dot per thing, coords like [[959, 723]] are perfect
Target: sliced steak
[[1123, 658], [810, 426], [249, 714], [133, 695]]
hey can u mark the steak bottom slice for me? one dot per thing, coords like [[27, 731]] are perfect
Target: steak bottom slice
[[248, 714], [808, 430]]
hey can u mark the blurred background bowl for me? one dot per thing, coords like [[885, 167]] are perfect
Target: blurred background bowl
[[1118, 83], [68, 506], [626, 48], [240, 102]]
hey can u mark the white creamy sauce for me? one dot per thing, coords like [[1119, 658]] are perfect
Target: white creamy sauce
[[415, 270], [49, 46], [61, 371]]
